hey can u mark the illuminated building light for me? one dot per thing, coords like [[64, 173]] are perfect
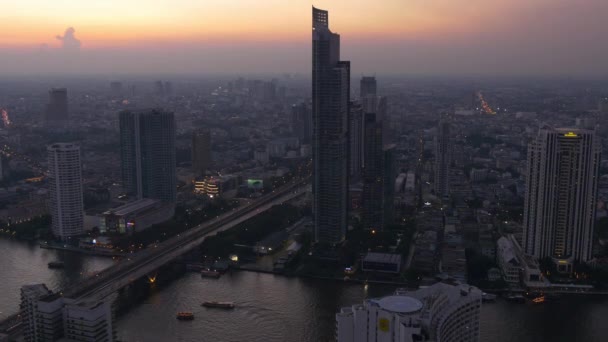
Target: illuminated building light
[[571, 135]]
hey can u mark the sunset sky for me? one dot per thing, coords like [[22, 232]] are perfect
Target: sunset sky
[[400, 36]]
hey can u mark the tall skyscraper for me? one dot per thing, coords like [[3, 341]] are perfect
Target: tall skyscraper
[[330, 99], [367, 87], [373, 175], [442, 159], [65, 187], [57, 109], [301, 122], [355, 140], [147, 148], [561, 195], [201, 151], [372, 103]]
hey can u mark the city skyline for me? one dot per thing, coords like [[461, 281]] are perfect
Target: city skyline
[[307, 188], [430, 37]]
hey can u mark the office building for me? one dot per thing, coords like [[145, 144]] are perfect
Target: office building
[[438, 313], [330, 100], [301, 122], [65, 190], [561, 195], [88, 322], [147, 143], [372, 215], [367, 87], [442, 159], [201, 151], [355, 141], [390, 174], [57, 114]]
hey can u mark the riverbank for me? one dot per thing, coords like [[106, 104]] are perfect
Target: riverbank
[[246, 268]]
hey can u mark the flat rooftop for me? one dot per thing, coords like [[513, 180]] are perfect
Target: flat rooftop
[[133, 206]]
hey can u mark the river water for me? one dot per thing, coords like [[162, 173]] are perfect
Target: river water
[[275, 308]]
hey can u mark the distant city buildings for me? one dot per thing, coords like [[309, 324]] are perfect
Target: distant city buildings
[[439, 313], [561, 195], [147, 143], [57, 115], [201, 151], [330, 99], [442, 159], [65, 190]]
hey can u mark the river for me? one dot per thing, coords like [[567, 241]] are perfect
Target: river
[[275, 308]]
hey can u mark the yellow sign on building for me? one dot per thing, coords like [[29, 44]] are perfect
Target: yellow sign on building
[[384, 324]]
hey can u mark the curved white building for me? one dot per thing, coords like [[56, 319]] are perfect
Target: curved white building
[[65, 187], [440, 313]]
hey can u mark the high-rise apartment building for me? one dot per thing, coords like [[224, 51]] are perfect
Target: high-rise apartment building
[[373, 175], [41, 313], [57, 108], [438, 313], [442, 159], [330, 102], [561, 195], [91, 322], [201, 151], [49, 316], [147, 144], [65, 188], [301, 122]]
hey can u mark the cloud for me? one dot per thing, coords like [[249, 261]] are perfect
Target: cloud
[[69, 42]]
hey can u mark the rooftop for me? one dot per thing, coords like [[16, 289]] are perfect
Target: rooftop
[[399, 304]]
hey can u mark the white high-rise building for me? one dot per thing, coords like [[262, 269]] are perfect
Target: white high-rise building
[[439, 313], [561, 195], [442, 159], [65, 185], [41, 313], [90, 322]]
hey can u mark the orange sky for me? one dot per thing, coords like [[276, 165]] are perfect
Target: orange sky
[[127, 22], [421, 36]]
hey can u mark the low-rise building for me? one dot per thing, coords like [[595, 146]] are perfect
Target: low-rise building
[[381, 262], [135, 216]]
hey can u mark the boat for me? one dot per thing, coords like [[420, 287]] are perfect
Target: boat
[[221, 305], [210, 274], [488, 297], [516, 298], [56, 264], [185, 316]]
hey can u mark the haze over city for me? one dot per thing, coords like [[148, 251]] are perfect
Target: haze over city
[[437, 37]]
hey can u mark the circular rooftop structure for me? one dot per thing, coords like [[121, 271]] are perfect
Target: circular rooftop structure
[[400, 304]]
